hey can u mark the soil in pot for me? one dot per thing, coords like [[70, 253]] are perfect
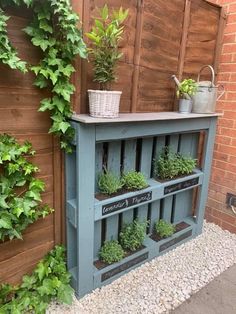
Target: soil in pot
[[174, 178], [101, 196]]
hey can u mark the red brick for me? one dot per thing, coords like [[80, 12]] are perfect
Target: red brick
[[230, 28], [228, 132], [223, 122], [229, 38], [227, 217], [231, 18]]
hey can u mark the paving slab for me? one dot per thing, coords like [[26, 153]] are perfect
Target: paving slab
[[218, 297]]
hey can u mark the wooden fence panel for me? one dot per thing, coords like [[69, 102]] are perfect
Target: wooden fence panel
[[19, 116]]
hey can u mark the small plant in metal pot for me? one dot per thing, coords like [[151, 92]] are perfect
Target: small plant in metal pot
[[133, 235], [185, 91], [164, 229], [134, 180], [111, 252], [105, 37], [109, 183]]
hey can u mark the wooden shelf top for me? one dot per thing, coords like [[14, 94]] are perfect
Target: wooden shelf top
[[141, 117]]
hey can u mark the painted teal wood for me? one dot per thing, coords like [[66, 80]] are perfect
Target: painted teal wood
[[84, 212], [184, 201], [113, 165], [145, 168], [170, 200], [85, 171], [129, 163], [108, 132], [98, 224], [206, 167]]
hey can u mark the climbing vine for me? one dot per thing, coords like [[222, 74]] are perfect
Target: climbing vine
[[54, 29], [20, 191]]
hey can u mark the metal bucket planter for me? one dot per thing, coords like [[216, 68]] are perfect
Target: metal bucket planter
[[185, 106], [104, 104], [207, 94]]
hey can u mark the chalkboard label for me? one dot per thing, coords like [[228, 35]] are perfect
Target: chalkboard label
[[127, 202], [180, 186], [124, 266], [170, 243]]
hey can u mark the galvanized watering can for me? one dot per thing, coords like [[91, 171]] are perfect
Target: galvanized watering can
[[207, 94]]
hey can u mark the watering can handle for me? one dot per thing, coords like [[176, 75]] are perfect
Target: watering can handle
[[212, 73]]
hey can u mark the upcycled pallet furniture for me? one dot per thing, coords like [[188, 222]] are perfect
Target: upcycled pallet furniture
[[131, 142]]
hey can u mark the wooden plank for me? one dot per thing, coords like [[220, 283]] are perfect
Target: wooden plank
[[145, 168], [184, 38], [219, 40], [129, 163], [114, 165], [155, 215], [98, 224], [137, 51]]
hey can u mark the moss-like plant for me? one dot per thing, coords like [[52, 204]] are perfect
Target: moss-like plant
[[111, 252], [132, 235], [105, 37], [164, 229], [109, 183], [170, 165], [134, 180]]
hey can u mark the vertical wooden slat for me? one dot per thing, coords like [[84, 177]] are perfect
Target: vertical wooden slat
[[113, 165], [184, 38], [145, 168], [168, 201], [129, 164], [98, 224], [137, 53], [219, 40], [155, 214], [85, 206], [183, 201]]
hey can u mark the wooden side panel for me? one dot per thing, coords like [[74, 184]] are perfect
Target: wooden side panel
[[160, 45], [19, 116], [202, 37]]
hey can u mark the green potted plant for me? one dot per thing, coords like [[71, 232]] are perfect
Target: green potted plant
[[105, 36], [185, 91]]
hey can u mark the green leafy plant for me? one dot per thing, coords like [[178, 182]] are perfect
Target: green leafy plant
[[187, 87], [134, 180], [20, 191], [166, 166], [186, 164], [111, 252], [55, 31], [105, 36], [109, 183], [164, 229], [132, 235], [170, 165], [50, 280]]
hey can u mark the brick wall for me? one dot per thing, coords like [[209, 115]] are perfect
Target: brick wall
[[223, 178]]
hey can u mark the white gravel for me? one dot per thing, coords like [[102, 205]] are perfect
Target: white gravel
[[165, 282]]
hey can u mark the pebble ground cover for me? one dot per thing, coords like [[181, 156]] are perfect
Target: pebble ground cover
[[165, 282]]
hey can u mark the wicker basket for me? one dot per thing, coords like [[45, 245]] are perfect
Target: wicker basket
[[104, 104]]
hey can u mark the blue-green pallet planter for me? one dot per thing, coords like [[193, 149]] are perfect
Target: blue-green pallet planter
[[127, 143]]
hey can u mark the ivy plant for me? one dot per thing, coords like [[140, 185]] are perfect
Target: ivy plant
[[55, 31], [20, 191], [50, 280]]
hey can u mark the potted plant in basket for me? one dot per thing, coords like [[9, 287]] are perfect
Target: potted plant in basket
[[185, 91], [105, 37]]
